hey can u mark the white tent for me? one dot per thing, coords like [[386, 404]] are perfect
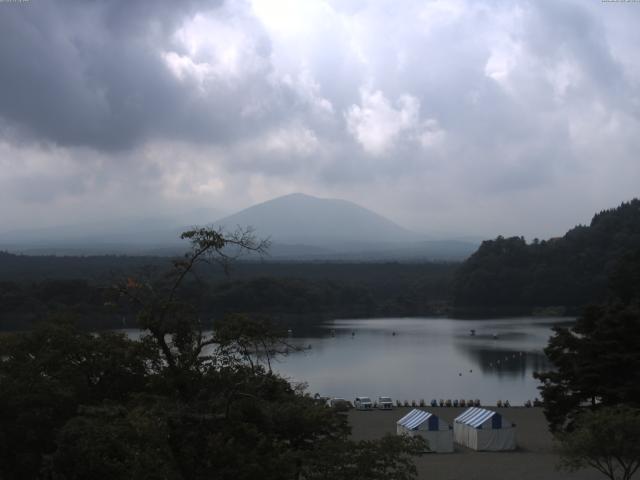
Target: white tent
[[435, 431], [482, 429]]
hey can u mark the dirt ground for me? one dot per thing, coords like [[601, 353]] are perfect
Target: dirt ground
[[533, 459]]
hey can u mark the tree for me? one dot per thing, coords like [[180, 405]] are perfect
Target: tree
[[597, 361], [45, 375], [607, 440], [507, 275], [110, 442], [180, 403]]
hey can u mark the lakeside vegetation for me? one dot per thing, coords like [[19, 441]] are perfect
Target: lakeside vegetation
[[505, 276], [297, 292]]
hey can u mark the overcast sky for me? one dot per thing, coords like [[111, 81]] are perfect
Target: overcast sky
[[469, 117]]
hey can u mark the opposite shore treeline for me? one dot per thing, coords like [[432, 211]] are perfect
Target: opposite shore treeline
[[505, 276]]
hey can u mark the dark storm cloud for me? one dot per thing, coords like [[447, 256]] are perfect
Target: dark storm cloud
[[93, 74], [470, 106]]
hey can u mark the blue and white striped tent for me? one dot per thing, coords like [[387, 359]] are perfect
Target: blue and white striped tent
[[434, 430], [482, 429]]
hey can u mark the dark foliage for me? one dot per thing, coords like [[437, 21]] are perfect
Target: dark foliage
[[597, 361], [572, 271], [607, 440], [297, 293], [179, 403], [46, 375]]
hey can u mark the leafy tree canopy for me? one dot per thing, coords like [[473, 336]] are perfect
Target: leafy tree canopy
[[571, 271], [180, 403], [597, 361], [607, 440]]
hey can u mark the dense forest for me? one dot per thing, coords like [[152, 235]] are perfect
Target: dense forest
[[509, 275], [291, 292], [505, 276]]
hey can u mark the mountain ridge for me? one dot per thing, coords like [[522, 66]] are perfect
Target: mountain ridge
[[301, 227], [298, 218]]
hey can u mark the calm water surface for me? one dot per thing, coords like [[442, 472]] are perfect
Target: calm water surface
[[426, 358]]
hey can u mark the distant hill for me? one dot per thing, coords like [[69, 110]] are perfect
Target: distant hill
[[305, 220], [303, 227], [300, 227], [509, 274]]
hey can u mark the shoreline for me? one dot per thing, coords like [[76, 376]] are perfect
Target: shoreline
[[534, 457]]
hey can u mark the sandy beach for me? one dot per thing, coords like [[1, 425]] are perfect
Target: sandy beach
[[533, 459]]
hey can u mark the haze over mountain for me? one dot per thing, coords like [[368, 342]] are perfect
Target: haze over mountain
[[303, 226], [300, 227], [135, 235], [303, 219]]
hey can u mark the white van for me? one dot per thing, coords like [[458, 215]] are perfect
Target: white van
[[363, 403], [385, 403]]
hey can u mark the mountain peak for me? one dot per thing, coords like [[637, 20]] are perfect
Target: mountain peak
[[301, 218], [295, 195]]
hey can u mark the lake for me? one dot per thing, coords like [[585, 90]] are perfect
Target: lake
[[423, 358]]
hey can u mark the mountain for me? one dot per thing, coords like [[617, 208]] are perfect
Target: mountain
[[302, 227], [305, 220], [569, 272]]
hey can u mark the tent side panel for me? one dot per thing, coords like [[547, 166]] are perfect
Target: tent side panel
[[460, 434], [497, 440], [472, 438]]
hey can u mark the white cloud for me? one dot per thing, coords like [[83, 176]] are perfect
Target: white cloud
[[377, 124], [502, 61], [294, 140], [309, 90], [215, 46]]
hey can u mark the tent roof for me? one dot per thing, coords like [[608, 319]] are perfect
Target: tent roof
[[474, 417], [414, 419]]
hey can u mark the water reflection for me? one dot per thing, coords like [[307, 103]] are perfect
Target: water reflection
[[505, 363], [414, 358], [420, 358]]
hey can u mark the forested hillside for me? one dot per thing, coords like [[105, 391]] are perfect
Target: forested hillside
[[31, 288], [509, 275], [504, 276]]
